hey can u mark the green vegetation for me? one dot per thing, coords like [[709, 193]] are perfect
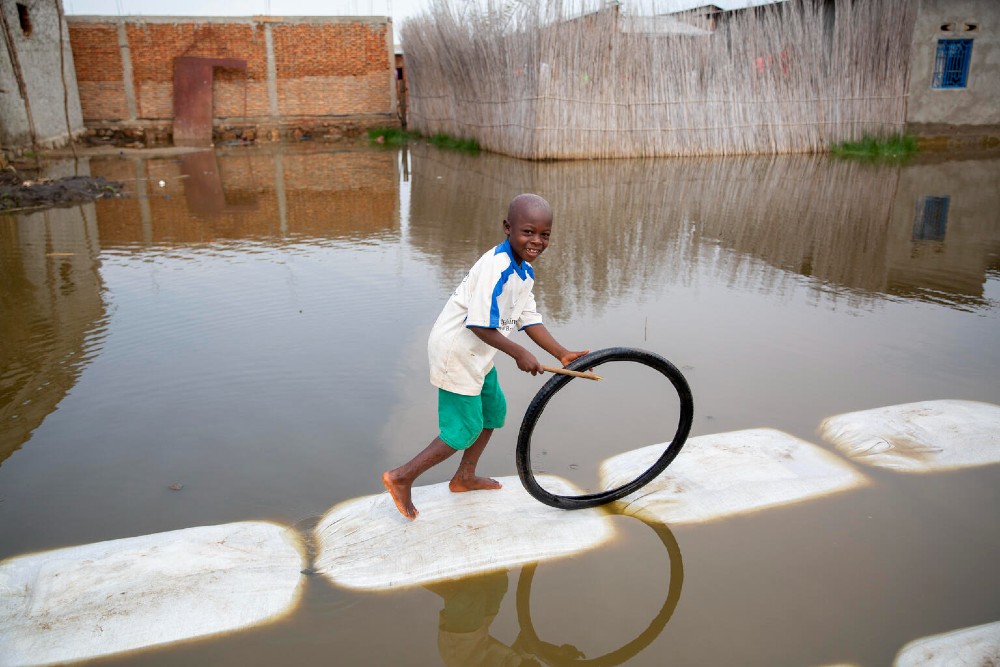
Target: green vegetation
[[393, 136], [895, 147], [442, 140]]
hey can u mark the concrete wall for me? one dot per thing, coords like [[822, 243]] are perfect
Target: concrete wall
[[979, 103], [302, 72], [37, 53]]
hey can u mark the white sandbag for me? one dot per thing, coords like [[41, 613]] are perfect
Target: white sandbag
[[98, 599], [366, 544], [969, 647], [720, 475], [919, 437]]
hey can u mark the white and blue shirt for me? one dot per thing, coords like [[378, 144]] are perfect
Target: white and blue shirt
[[497, 294]]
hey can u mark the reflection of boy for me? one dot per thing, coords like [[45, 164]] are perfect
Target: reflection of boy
[[464, 627], [494, 299], [470, 606]]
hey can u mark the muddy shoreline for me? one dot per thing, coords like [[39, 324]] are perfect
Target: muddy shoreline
[[19, 191]]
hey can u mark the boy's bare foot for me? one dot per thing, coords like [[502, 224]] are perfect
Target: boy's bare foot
[[460, 484], [400, 492]]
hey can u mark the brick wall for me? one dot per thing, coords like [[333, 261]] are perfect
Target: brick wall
[[325, 69], [154, 46]]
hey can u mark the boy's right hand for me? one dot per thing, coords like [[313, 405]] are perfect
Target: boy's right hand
[[570, 357], [527, 362]]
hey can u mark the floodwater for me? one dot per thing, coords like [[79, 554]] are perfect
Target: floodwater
[[249, 327]]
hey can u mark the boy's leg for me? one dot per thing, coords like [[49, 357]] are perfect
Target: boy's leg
[[494, 412], [465, 478], [399, 482], [467, 422]]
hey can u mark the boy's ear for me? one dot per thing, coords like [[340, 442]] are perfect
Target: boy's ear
[[506, 227]]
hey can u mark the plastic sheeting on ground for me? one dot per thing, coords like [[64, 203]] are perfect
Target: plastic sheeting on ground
[[968, 647], [367, 544], [728, 473], [919, 437], [98, 599]]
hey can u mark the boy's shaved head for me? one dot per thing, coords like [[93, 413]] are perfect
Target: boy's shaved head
[[526, 204], [527, 226]]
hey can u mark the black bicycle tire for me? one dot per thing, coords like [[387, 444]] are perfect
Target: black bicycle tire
[[557, 382], [533, 643]]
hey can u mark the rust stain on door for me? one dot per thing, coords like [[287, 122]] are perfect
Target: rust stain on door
[[193, 97]]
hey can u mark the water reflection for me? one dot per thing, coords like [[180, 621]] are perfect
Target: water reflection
[[204, 190], [51, 285], [273, 197], [291, 366], [472, 604], [945, 232], [53, 314], [624, 228], [554, 655], [931, 220]]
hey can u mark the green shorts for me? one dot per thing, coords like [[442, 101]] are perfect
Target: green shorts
[[462, 418]]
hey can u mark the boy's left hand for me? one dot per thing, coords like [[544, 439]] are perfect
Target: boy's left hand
[[569, 357]]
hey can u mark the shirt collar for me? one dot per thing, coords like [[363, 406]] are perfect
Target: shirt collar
[[523, 270]]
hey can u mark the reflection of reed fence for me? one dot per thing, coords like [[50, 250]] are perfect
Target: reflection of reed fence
[[524, 80], [626, 228]]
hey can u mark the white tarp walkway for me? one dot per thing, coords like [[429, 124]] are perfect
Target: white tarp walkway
[[724, 474], [969, 647], [99, 599], [366, 544], [919, 437]]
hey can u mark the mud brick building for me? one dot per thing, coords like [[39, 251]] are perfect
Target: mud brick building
[[38, 99], [270, 77]]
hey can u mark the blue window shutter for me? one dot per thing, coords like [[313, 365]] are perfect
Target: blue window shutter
[[951, 65]]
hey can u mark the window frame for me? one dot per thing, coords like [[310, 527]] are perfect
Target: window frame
[[951, 64]]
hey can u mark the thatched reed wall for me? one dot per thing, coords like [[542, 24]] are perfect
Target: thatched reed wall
[[525, 80]]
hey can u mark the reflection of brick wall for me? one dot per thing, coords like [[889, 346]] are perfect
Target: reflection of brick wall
[[341, 171], [341, 194], [323, 67], [327, 195]]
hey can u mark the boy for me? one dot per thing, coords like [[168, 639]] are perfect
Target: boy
[[495, 297]]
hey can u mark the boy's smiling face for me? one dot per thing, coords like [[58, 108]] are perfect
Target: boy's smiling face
[[528, 231]]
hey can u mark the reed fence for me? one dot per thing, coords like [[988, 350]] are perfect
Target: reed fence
[[563, 79]]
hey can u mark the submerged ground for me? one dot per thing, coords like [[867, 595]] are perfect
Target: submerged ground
[[20, 192], [247, 341]]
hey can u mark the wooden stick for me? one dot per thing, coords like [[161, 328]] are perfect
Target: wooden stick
[[576, 374]]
